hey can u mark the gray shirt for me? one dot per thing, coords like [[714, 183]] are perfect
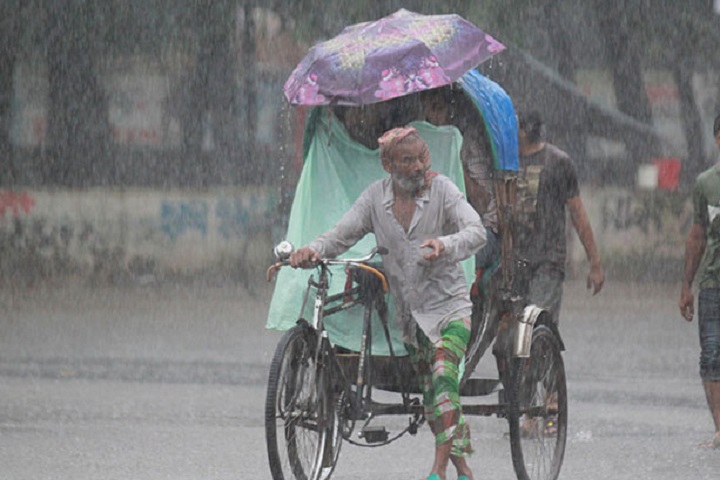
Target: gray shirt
[[477, 165], [430, 292]]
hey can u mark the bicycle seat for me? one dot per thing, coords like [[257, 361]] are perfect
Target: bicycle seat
[[371, 281]]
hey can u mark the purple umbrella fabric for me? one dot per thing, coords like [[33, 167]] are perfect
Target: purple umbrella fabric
[[398, 55]]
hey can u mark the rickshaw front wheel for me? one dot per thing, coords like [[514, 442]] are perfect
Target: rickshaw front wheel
[[302, 429]]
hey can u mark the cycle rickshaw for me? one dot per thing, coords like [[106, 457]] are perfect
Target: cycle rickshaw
[[341, 348]]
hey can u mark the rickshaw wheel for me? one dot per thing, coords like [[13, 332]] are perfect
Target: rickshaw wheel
[[538, 409], [301, 427]]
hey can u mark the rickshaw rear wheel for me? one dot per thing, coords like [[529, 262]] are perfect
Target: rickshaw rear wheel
[[538, 411], [302, 429]]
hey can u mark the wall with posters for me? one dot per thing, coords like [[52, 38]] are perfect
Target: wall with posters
[[137, 233], [148, 235]]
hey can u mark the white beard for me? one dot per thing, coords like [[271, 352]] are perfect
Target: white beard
[[409, 184]]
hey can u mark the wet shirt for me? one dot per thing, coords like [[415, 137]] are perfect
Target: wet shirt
[[706, 212], [546, 180], [430, 293], [478, 167]]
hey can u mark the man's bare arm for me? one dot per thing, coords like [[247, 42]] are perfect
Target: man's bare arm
[[694, 250], [579, 218]]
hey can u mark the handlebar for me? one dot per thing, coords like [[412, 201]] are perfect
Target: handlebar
[[366, 258], [358, 262]]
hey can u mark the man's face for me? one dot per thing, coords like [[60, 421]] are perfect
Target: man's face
[[409, 162], [436, 111], [522, 136]]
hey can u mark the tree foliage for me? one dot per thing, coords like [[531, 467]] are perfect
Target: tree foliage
[[77, 41]]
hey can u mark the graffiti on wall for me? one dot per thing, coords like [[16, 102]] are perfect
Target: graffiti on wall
[[180, 217], [238, 216], [16, 203], [646, 211], [234, 217], [44, 233]]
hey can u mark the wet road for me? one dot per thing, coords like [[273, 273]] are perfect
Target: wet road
[[168, 382]]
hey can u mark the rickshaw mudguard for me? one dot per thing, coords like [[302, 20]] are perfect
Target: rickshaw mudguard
[[531, 317]]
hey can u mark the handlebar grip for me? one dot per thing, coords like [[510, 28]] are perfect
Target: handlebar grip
[[275, 267]]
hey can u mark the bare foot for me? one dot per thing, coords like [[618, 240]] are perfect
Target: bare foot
[[713, 444]]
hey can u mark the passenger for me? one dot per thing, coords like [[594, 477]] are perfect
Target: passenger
[[428, 227], [703, 241], [444, 106], [365, 123]]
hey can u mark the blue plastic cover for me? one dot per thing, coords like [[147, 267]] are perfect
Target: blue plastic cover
[[499, 115]]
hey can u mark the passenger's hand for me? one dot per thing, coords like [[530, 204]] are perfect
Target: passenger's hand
[[437, 248], [304, 257], [595, 279], [686, 304]]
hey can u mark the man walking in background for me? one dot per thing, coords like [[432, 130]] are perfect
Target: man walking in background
[[547, 188], [703, 241]]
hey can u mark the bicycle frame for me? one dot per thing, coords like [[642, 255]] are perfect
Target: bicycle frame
[[322, 417], [358, 389]]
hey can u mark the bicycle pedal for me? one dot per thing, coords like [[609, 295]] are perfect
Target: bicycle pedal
[[413, 428], [374, 434]]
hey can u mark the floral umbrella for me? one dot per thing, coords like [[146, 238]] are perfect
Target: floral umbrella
[[400, 54]]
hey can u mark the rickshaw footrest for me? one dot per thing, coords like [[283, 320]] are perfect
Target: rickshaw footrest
[[374, 434], [477, 387]]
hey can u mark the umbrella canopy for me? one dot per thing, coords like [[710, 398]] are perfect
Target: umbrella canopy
[[397, 55]]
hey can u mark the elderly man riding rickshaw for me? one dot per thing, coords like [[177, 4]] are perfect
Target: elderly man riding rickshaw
[[448, 284]]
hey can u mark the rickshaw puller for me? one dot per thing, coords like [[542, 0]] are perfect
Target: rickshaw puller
[[428, 227]]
